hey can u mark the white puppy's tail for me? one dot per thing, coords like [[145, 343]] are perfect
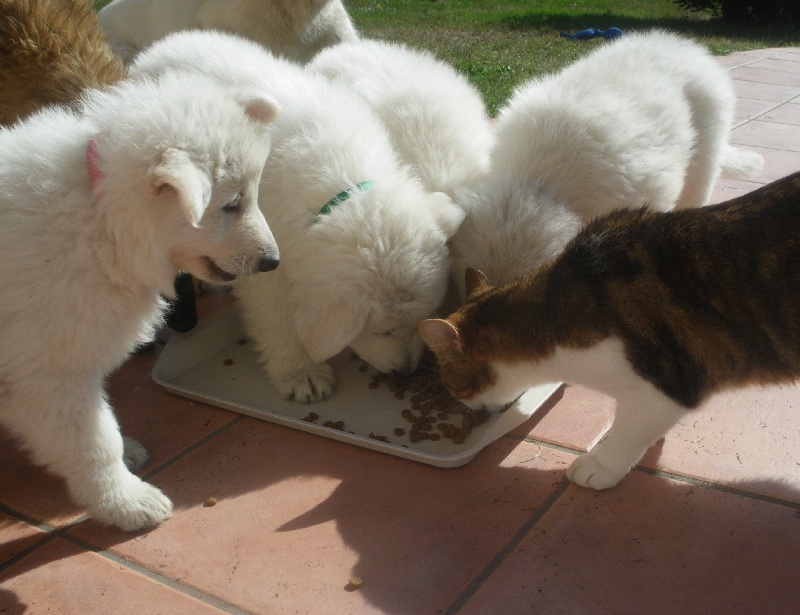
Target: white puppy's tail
[[741, 163]]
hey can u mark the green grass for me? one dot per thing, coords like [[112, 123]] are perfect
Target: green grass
[[501, 44]]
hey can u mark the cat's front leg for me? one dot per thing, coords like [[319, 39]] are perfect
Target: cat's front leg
[[643, 415]]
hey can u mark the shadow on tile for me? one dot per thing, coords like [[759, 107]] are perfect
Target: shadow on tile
[[649, 546], [297, 515]]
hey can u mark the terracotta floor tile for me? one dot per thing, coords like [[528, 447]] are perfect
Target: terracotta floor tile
[[777, 163], [727, 189], [782, 63], [164, 423], [760, 73], [751, 108], [753, 55], [788, 113], [764, 91], [650, 546], [299, 514], [31, 491], [768, 134], [746, 439], [63, 578], [16, 537], [576, 421]]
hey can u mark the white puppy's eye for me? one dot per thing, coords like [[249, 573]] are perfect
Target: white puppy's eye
[[388, 333], [234, 206]]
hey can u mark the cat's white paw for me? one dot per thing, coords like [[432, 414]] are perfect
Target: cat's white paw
[[134, 454], [587, 471], [134, 505], [314, 384]]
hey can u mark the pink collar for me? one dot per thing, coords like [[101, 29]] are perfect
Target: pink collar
[[93, 162]]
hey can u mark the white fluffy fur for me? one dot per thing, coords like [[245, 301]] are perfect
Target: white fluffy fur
[[296, 29], [362, 275], [81, 269], [436, 119], [643, 413], [645, 119]]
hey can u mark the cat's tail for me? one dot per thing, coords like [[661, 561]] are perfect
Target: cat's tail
[[741, 163]]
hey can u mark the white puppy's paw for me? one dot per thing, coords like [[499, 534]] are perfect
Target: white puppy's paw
[[136, 505], [588, 471], [134, 454], [314, 384]]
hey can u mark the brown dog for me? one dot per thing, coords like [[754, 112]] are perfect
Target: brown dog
[[50, 52]]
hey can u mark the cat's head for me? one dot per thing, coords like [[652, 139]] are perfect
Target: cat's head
[[465, 364]]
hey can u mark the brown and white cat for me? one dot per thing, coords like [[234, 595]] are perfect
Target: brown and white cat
[[659, 310]]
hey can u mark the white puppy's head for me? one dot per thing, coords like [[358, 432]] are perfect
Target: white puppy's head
[[369, 270], [512, 226], [178, 161]]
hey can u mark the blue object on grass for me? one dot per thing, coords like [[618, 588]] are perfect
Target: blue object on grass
[[585, 35]]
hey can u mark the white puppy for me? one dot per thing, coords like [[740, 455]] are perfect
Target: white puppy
[[296, 29], [435, 117], [363, 245], [643, 120], [98, 212]]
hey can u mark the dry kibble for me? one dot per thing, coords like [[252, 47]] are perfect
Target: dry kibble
[[433, 414], [210, 502], [355, 582], [228, 362]]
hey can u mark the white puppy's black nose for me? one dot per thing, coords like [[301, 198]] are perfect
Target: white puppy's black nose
[[268, 263]]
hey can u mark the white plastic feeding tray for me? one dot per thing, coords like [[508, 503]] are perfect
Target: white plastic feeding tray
[[216, 364]]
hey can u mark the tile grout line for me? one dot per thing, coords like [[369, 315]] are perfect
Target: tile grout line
[[771, 109], [758, 115], [190, 449], [472, 588], [757, 60], [158, 578], [51, 533], [697, 482]]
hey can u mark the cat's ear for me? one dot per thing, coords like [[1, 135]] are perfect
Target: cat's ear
[[475, 281], [439, 335]]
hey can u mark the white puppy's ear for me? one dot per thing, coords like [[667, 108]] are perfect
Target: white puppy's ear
[[176, 171], [261, 108], [326, 331], [447, 214]]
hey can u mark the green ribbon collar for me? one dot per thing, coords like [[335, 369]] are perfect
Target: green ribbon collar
[[343, 196]]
